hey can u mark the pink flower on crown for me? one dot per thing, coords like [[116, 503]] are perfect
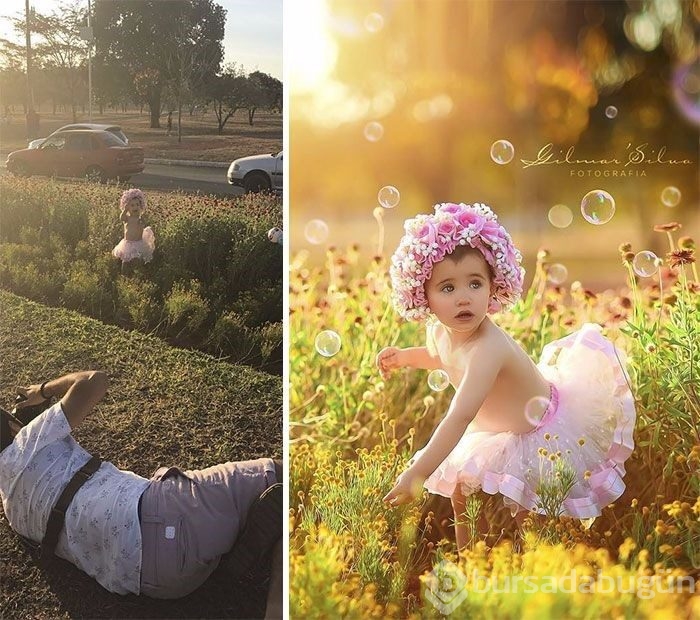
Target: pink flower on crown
[[447, 227], [470, 219]]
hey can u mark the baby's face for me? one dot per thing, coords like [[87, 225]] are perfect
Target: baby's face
[[134, 206], [458, 293]]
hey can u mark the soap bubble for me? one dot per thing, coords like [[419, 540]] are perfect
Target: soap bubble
[[502, 152], [374, 22], [598, 207], [611, 111], [388, 196], [645, 263], [327, 343], [535, 408], [670, 196], [557, 274], [275, 235], [374, 131], [560, 216], [438, 380], [316, 232]]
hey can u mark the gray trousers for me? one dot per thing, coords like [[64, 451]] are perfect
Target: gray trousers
[[189, 519]]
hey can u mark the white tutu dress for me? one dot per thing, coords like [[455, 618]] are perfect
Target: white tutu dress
[[142, 249], [589, 421]]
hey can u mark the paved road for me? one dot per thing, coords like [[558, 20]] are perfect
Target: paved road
[[206, 180], [189, 179]]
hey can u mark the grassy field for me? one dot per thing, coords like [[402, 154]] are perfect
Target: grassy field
[[164, 406], [352, 433], [200, 140]]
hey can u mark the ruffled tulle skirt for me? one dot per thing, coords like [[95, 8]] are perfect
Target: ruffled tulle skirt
[[141, 250], [585, 434]]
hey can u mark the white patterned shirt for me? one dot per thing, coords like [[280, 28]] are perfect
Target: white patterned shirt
[[102, 534]]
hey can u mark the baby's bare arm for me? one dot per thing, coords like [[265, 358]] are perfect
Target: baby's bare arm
[[392, 358], [485, 360]]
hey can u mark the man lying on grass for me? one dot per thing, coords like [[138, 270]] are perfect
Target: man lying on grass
[[160, 537]]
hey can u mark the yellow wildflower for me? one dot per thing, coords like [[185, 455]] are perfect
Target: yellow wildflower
[[626, 548]]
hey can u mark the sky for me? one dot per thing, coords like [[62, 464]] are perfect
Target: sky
[[252, 39]]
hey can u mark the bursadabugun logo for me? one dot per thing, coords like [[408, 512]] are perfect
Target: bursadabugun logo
[[444, 587], [447, 586]]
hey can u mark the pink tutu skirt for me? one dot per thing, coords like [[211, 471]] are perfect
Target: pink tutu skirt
[[141, 250], [589, 422]]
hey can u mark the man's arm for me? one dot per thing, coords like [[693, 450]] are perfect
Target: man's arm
[[79, 393]]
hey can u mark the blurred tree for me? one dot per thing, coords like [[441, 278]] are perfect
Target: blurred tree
[[188, 66], [144, 36], [58, 49], [228, 92], [112, 84], [264, 91]]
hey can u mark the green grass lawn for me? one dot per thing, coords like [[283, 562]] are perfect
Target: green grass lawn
[[165, 406]]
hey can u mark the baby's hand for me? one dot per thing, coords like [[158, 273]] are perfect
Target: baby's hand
[[407, 488], [389, 359]]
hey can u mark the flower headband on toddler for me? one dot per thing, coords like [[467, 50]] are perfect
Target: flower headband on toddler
[[430, 238], [129, 194]]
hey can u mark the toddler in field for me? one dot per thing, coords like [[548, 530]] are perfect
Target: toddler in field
[[139, 241], [511, 425]]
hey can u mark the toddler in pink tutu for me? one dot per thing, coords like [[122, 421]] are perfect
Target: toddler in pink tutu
[[139, 241], [510, 420]]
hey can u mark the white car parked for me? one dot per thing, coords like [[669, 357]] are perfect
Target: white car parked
[[257, 173]]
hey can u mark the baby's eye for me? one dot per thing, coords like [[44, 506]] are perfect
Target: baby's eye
[[475, 284], [448, 288]]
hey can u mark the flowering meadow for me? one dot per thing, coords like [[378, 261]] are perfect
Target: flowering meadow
[[351, 434], [214, 283]]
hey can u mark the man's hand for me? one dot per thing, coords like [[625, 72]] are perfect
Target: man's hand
[[388, 359], [32, 396], [79, 393], [407, 488]]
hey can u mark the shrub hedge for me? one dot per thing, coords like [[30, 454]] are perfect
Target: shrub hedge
[[214, 284]]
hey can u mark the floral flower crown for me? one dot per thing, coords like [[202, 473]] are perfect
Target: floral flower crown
[[129, 194], [429, 238]]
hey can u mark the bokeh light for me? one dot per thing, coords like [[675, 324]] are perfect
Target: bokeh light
[[670, 196], [560, 216], [645, 263], [388, 196], [685, 86], [374, 131], [374, 22], [316, 232], [598, 207], [438, 380], [327, 343], [502, 152], [611, 111]]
